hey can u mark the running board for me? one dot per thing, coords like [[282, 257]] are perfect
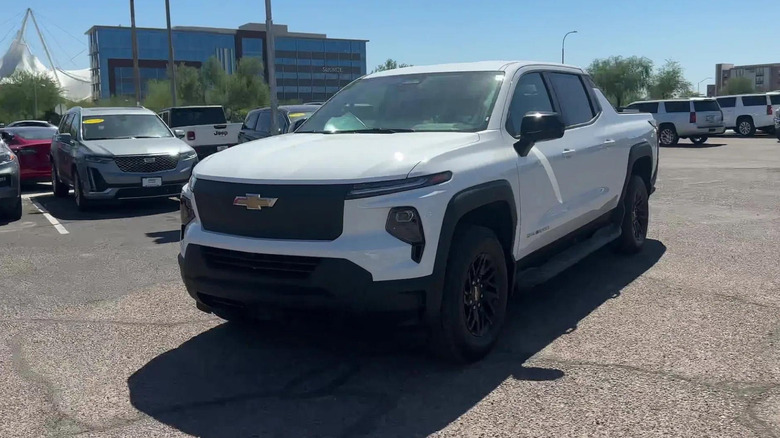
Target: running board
[[534, 276]]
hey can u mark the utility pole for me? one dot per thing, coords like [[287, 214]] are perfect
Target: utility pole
[[698, 86], [270, 61], [563, 46], [170, 52], [136, 74]]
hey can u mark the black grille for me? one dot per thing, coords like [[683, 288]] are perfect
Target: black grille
[[147, 163], [300, 212], [277, 266], [144, 192]]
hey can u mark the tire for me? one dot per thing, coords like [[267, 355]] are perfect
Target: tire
[[777, 133], [474, 299], [699, 140], [82, 203], [667, 135], [60, 190], [636, 218], [745, 127], [11, 210]]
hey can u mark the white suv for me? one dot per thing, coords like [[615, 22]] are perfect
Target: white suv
[[422, 193], [696, 119], [747, 112]]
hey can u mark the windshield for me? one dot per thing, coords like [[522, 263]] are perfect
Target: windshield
[[298, 115], [453, 101], [116, 126], [33, 133]]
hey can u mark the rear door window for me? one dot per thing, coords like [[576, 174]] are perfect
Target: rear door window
[[197, 116], [251, 120], [263, 121], [727, 102], [775, 99], [754, 101], [573, 98], [677, 106], [645, 107], [705, 105]]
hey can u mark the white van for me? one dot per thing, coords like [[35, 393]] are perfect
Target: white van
[[745, 113]]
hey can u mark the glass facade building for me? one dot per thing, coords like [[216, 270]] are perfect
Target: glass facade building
[[309, 67]]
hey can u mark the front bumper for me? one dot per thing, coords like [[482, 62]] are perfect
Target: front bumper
[[261, 283], [205, 151], [105, 181]]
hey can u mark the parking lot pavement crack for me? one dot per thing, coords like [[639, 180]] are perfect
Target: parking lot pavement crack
[[59, 423], [103, 321], [754, 421]]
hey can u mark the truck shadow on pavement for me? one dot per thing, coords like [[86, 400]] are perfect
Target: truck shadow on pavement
[[315, 380], [64, 209]]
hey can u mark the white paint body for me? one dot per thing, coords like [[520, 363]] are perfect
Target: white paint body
[[553, 191]]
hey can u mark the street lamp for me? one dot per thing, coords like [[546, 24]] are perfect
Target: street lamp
[[699, 85], [563, 46]]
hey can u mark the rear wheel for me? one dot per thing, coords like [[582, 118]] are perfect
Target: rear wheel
[[745, 127], [636, 218], [699, 140], [667, 135], [474, 298], [60, 190]]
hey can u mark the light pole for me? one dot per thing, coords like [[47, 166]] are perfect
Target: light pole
[[563, 46], [170, 52], [134, 38], [271, 63], [699, 85]]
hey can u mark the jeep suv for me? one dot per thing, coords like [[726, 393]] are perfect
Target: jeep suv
[[421, 193], [696, 119], [117, 153]]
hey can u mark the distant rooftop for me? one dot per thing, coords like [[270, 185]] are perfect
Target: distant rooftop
[[280, 30]]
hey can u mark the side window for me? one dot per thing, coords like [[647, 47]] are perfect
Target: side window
[[727, 102], [645, 107], [263, 121], [65, 124], [775, 99], [575, 104], [530, 95], [166, 117], [678, 106], [754, 100], [75, 125], [251, 120]]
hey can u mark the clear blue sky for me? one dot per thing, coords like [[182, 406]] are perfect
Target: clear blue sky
[[697, 33]]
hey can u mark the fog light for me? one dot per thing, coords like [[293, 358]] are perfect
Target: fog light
[[404, 224]]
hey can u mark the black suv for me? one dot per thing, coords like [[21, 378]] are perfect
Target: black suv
[[258, 121]]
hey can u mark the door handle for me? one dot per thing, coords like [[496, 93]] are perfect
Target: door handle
[[567, 153], [609, 142]]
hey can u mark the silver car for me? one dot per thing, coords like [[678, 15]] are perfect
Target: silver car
[[117, 153], [695, 119], [10, 191]]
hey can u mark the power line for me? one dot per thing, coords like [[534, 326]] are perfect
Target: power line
[[10, 29], [54, 23]]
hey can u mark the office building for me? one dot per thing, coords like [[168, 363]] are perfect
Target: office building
[[763, 77], [309, 67]]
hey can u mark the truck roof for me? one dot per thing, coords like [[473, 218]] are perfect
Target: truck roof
[[465, 66]]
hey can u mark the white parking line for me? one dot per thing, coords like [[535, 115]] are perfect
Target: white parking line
[[57, 225]]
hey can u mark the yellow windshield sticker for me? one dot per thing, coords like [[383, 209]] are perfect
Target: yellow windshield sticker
[[92, 121], [294, 115]]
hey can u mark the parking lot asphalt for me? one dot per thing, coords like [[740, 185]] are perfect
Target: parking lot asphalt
[[100, 339]]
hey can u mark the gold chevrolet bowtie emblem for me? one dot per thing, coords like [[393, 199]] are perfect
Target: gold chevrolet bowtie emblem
[[254, 202]]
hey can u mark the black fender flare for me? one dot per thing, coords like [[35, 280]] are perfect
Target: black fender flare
[[639, 150], [460, 204]]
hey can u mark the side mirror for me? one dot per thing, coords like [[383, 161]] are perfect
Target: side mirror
[[536, 127], [298, 124], [65, 138], [179, 133]]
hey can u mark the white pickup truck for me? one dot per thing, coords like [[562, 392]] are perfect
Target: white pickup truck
[[204, 128], [424, 193]]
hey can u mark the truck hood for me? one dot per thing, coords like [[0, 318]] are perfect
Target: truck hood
[[311, 158], [137, 146]]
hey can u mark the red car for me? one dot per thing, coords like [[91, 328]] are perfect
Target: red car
[[31, 145]]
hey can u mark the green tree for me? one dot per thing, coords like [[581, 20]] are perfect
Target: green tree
[[669, 81], [738, 86], [214, 79], [246, 88], [620, 78], [189, 88], [28, 95], [390, 64], [158, 94]]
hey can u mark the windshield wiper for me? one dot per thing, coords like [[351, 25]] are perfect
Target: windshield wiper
[[107, 138], [147, 136], [374, 131]]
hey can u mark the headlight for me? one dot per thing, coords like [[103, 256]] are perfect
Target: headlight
[[186, 212], [399, 185], [189, 155], [97, 159], [191, 183], [404, 224], [7, 157]]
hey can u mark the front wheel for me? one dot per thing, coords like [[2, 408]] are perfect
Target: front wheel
[[699, 140], [12, 210], [82, 203], [474, 298], [60, 190], [636, 218]]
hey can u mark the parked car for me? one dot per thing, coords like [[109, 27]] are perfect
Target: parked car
[[258, 121], [696, 119], [423, 193], [10, 186], [205, 128], [117, 153], [38, 123], [32, 146], [777, 123], [745, 113]]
